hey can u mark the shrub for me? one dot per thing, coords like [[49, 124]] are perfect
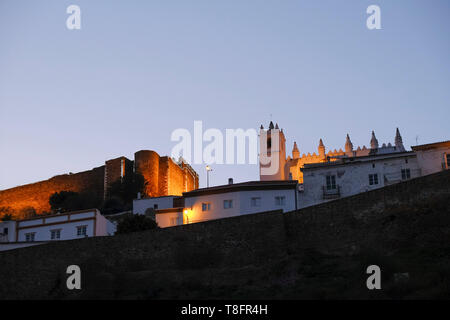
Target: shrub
[[6, 217], [135, 223], [113, 205], [66, 201]]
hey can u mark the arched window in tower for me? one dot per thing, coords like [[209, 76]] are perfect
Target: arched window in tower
[[269, 143]]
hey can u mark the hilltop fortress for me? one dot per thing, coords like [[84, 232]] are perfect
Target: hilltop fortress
[[163, 175]]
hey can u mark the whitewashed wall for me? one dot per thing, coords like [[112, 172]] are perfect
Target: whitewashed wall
[[433, 160], [67, 224], [140, 205], [68, 231], [353, 178], [11, 226], [169, 219], [241, 204]]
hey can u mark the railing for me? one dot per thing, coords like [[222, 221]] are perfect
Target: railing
[[331, 193]]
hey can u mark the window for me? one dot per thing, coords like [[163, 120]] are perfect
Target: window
[[373, 165], [155, 206], [82, 231], [406, 174], [255, 202], [290, 175], [227, 204], [373, 179], [331, 182], [406, 160], [280, 201], [206, 206], [5, 231], [55, 234], [447, 160], [29, 237]]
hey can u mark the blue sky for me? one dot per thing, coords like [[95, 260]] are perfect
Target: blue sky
[[137, 70]]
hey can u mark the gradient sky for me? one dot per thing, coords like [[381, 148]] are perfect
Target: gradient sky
[[137, 70]]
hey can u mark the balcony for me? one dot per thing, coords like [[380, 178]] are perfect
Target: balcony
[[329, 194]]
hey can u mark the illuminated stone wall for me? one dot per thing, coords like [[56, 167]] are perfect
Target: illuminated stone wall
[[147, 163], [163, 176], [36, 195], [116, 169]]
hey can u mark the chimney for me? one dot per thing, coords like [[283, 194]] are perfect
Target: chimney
[[230, 180]]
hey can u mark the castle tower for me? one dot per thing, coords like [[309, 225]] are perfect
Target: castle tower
[[399, 141], [348, 145], [321, 149], [146, 163], [115, 169], [373, 141], [295, 151], [276, 152]]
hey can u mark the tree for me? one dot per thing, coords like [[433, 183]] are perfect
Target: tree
[[65, 201], [151, 213], [6, 213], [6, 217], [135, 223], [113, 205], [127, 188]]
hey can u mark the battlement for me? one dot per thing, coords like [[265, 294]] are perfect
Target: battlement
[[289, 167]]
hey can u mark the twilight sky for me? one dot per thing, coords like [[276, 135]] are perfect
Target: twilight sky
[[137, 70]]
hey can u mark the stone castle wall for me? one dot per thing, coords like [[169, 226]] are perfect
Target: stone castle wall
[[147, 164], [163, 176], [36, 195]]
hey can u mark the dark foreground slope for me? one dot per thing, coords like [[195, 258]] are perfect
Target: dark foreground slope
[[318, 252]]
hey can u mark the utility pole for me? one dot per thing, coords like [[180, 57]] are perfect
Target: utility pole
[[208, 169]]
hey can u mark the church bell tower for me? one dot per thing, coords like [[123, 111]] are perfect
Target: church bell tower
[[272, 153]]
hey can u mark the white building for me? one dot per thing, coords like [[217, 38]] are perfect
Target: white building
[[140, 206], [433, 157], [7, 231], [348, 176], [239, 199], [222, 202], [66, 226]]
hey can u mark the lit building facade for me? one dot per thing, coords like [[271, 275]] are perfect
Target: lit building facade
[[66, 226]]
